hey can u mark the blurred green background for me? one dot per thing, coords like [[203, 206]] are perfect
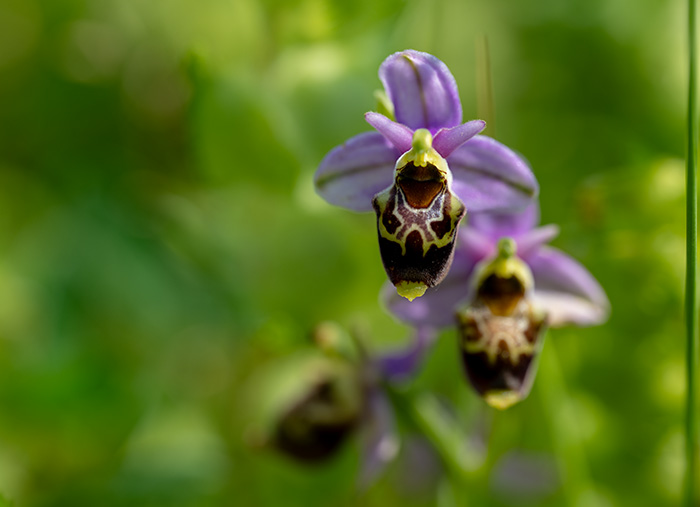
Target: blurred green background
[[162, 249]]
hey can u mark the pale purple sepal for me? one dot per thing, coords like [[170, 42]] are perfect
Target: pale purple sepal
[[422, 89], [435, 308], [488, 176], [498, 225], [531, 241], [401, 364], [519, 226], [472, 246], [354, 172], [397, 134], [449, 139], [566, 290], [379, 440]]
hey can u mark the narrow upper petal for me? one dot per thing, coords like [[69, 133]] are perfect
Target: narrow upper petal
[[354, 172], [489, 176], [403, 363], [449, 139], [531, 241], [422, 89], [567, 290], [380, 442], [397, 134], [496, 225]]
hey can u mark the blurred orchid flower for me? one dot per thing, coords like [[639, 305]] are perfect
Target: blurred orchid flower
[[334, 393], [422, 172], [323, 414], [504, 288]]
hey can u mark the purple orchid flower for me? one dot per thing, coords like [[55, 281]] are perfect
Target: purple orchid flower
[[506, 285], [422, 172]]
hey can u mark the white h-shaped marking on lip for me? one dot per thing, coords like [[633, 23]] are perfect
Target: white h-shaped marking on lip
[[435, 212], [494, 329]]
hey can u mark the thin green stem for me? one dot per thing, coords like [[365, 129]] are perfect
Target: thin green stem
[[691, 293], [425, 412], [484, 85]]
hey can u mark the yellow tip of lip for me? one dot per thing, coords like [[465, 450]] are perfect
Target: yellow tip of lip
[[502, 399], [411, 290]]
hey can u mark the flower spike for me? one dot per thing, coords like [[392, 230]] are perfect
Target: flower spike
[[417, 219]]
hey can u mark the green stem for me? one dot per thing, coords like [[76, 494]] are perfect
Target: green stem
[[691, 294], [425, 412], [484, 85]]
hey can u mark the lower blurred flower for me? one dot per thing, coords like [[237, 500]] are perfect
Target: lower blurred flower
[[324, 415], [316, 402]]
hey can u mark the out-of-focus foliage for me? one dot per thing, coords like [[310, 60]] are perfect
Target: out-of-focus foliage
[[161, 246]]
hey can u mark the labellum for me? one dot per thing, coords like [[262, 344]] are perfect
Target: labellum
[[501, 331], [417, 219]]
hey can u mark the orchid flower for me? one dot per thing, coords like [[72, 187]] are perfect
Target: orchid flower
[[422, 172], [505, 286], [332, 394]]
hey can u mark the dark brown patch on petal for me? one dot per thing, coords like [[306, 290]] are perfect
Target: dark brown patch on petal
[[391, 222], [414, 267], [414, 244], [419, 194], [500, 375], [442, 227], [420, 185], [534, 330], [420, 173], [501, 295], [448, 222]]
